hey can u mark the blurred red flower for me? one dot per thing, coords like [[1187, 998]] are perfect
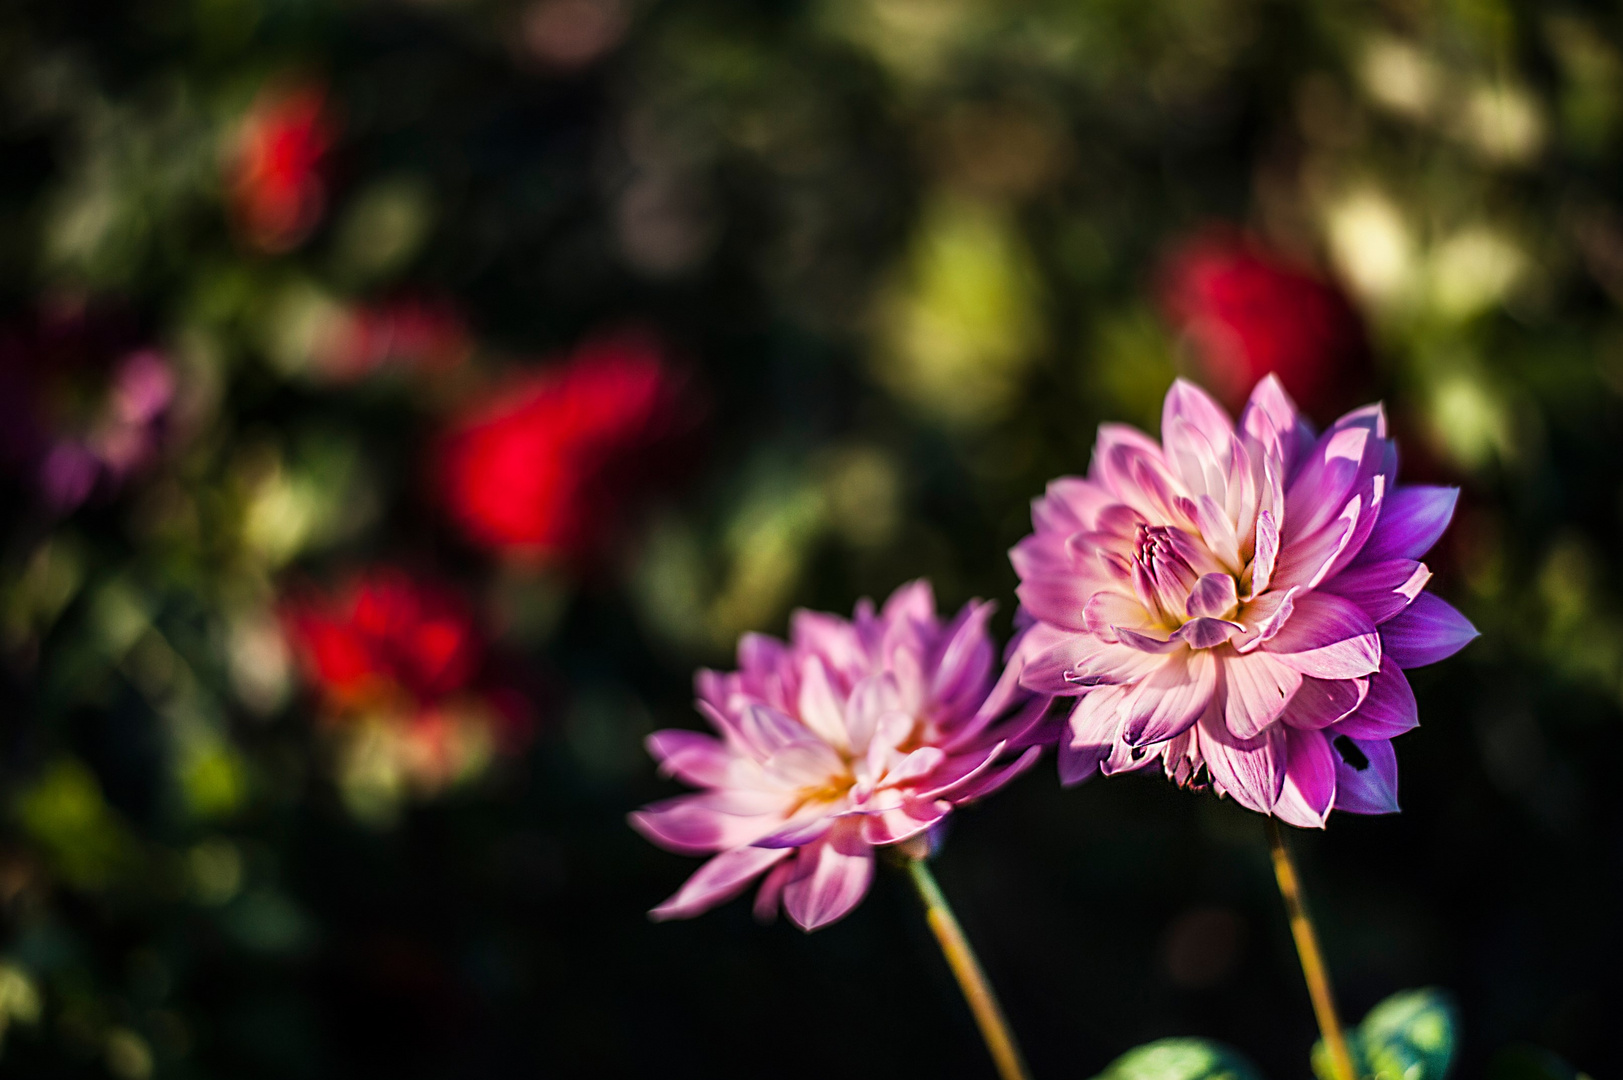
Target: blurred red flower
[[415, 332], [387, 639], [402, 663], [276, 181], [1249, 312], [542, 469]]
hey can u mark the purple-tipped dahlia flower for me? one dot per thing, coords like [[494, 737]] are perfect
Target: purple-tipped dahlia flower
[[1239, 603], [852, 735]]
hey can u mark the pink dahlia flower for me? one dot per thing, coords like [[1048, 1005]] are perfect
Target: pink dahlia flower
[[1239, 602], [853, 735]]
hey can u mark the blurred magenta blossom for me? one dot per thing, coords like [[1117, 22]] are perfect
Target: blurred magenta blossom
[[276, 179], [541, 470], [853, 735], [1249, 312], [1239, 603], [80, 411], [122, 437]]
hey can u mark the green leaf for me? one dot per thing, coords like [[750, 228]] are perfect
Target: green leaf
[[1180, 1059], [1409, 1036]]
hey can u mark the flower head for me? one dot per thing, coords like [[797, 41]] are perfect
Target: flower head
[[1248, 313], [276, 179], [852, 735], [541, 469], [1239, 603]]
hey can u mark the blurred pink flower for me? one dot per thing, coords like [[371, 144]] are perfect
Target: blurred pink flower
[[1239, 604], [1247, 312], [73, 416], [854, 734]]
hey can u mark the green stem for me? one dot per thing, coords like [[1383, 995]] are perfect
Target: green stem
[[961, 958], [1307, 947]]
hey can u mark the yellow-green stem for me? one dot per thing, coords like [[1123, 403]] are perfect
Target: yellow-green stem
[[961, 958], [1307, 947]]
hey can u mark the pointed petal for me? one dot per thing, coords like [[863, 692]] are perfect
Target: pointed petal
[[700, 759], [1412, 520], [1388, 711], [830, 878], [1310, 780], [718, 880], [1429, 630], [1368, 783]]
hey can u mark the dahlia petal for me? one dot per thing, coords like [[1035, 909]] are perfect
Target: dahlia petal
[[1259, 688], [1267, 553], [1058, 599], [1218, 531], [1081, 660], [718, 880], [1142, 642], [1429, 630], [1272, 419], [1214, 595], [1382, 589], [1168, 700], [700, 759], [766, 731], [959, 769], [709, 821], [1090, 733], [765, 908], [1411, 522], [1107, 610], [1196, 436], [904, 822], [916, 766], [831, 877], [804, 764], [986, 782], [870, 699], [1266, 615], [963, 663], [1251, 771], [1206, 633], [910, 603], [798, 831], [1070, 503], [1321, 702], [1310, 780], [820, 710], [1189, 404], [1305, 560], [1328, 637], [1372, 788], [1388, 711], [827, 636]]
